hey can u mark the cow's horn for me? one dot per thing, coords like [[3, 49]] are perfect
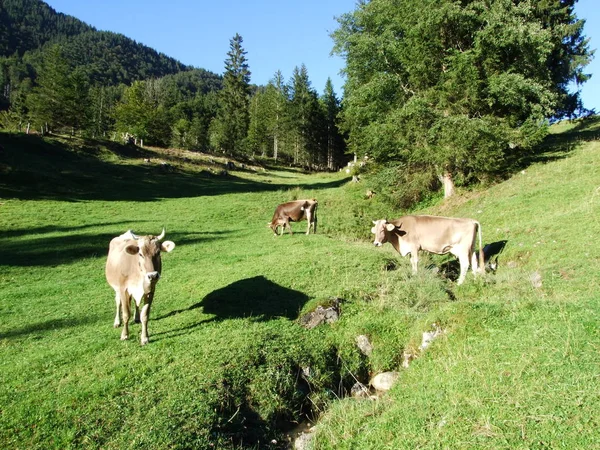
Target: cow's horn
[[133, 235], [162, 235]]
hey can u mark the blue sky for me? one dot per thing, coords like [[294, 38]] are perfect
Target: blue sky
[[278, 35]]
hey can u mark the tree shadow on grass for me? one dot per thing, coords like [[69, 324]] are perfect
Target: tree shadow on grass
[[558, 146], [35, 168], [64, 249], [48, 325]]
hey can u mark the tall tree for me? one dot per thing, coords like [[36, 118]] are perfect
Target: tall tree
[[278, 93], [333, 139], [306, 115], [134, 112], [457, 88], [231, 129], [60, 97]]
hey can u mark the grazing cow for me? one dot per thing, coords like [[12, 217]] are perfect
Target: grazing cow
[[132, 269], [295, 211], [439, 235]]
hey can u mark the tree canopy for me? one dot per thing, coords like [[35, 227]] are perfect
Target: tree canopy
[[457, 88]]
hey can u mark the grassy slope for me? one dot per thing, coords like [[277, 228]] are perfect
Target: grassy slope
[[517, 367]]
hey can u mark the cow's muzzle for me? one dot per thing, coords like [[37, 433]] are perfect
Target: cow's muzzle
[[377, 244], [153, 276]]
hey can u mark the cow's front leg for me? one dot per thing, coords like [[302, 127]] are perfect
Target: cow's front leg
[[145, 315], [136, 317], [309, 220], [414, 261], [126, 312], [117, 322]]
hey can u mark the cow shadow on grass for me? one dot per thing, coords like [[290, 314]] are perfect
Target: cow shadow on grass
[[450, 268], [256, 298]]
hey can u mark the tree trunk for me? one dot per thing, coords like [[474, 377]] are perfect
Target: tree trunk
[[275, 147], [448, 184]]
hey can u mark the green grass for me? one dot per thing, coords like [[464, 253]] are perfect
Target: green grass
[[517, 367]]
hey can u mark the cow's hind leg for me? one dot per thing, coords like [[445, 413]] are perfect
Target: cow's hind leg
[[463, 259], [474, 263], [117, 322], [126, 312]]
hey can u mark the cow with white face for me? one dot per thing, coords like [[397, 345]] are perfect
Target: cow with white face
[[133, 268], [433, 234]]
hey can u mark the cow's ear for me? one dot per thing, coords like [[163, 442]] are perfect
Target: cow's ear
[[167, 246], [374, 222], [132, 249], [373, 230], [390, 226]]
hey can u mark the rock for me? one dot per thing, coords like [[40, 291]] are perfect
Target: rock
[[430, 336], [407, 357], [384, 381], [364, 345], [359, 390], [536, 279], [304, 440], [322, 315]]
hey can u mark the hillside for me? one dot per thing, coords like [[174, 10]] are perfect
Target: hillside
[[229, 364], [29, 27]]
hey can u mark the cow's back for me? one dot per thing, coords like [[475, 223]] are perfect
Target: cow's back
[[435, 233]]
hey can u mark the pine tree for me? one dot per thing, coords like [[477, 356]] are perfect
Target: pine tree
[[231, 127], [334, 140], [306, 118], [48, 103]]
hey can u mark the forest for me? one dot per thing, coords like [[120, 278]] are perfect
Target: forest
[[436, 95]]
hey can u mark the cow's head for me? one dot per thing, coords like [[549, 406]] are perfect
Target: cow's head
[[380, 230], [147, 249]]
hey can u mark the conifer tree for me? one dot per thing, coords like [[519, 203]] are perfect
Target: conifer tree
[[333, 139], [457, 89], [231, 127]]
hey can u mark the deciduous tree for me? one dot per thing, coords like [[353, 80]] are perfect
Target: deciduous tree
[[457, 88]]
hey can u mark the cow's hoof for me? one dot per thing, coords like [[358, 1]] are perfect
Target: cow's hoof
[[145, 341], [124, 337], [116, 324]]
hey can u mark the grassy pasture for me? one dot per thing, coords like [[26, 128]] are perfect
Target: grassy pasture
[[228, 365]]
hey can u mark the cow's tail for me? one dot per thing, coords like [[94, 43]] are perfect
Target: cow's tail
[[481, 256]]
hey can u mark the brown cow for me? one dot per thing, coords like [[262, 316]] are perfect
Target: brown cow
[[132, 269], [295, 211], [434, 234]]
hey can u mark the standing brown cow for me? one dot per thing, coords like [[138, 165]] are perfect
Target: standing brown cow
[[434, 234], [295, 211], [132, 269]]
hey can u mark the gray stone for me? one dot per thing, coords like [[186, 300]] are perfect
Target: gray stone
[[384, 381], [364, 345]]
